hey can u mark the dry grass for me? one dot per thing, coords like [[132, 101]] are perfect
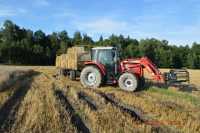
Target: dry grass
[[107, 118], [40, 110], [184, 104], [5, 95], [9, 80], [170, 108]]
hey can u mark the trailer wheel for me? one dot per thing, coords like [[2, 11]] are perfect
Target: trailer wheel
[[128, 82], [72, 75], [61, 72], [91, 77]]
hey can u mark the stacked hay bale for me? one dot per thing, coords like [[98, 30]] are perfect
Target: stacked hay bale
[[57, 61], [63, 60], [71, 60]]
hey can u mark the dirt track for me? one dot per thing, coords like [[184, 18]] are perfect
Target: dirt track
[[41, 102]]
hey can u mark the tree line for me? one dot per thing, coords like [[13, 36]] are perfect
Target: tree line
[[23, 46]]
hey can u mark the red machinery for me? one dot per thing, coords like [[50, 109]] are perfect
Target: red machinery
[[106, 68]]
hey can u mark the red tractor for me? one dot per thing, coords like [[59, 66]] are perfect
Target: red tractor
[[105, 67]]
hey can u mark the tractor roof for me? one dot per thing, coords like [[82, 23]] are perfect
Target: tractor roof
[[103, 48]]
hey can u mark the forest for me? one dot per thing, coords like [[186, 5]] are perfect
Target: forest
[[22, 46]]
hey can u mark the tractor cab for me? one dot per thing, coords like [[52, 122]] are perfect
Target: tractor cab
[[107, 56]]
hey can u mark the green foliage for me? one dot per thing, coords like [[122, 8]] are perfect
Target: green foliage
[[77, 40], [65, 41], [23, 46], [194, 56]]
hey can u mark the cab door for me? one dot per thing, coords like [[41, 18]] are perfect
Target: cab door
[[108, 58]]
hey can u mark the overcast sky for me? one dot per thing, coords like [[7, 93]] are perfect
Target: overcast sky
[[177, 21]]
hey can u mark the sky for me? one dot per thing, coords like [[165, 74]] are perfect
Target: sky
[[177, 21]]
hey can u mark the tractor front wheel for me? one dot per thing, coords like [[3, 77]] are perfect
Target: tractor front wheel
[[91, 77], [128, 82]]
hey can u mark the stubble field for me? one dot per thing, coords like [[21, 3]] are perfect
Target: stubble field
[[33, 99]]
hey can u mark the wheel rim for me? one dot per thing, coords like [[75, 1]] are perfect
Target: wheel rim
[[91, 78], [128, 83]]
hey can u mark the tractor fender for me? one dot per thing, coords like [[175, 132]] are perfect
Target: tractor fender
[[98, 65], [141, 79], [131, 71]]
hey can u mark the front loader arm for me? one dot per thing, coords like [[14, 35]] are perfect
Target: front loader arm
[[150, 67]]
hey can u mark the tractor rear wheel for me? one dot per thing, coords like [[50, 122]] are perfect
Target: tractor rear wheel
[[128, 82], [91, 77]]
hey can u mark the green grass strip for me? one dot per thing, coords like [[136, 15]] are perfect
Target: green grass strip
[[181, 95]]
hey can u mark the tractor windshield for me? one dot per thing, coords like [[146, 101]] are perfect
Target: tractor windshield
[[104, 56], [107, 57]]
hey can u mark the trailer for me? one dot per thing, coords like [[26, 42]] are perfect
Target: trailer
[[71, 63]]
